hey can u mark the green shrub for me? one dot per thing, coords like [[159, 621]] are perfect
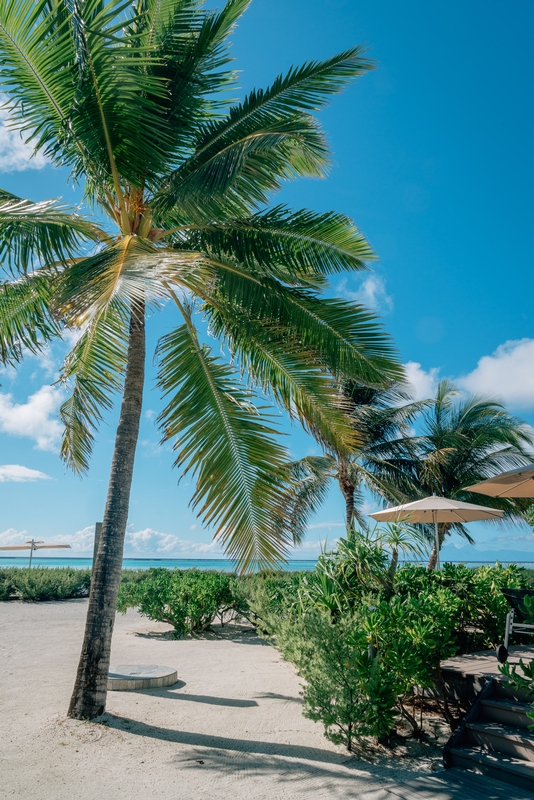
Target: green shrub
[[347, 689], [45, 583], [188, 600], [6, 585], [267, 598], [482, 607]]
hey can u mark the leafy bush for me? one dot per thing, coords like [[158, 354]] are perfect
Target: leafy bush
[[6, 585], [347, 689], [188, 600], [268, 598], [358, 665], [482, 608], [44, 583]]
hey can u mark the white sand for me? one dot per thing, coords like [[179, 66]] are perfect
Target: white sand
[[236, 709]]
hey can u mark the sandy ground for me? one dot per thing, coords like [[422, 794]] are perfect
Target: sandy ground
[[231, 727]]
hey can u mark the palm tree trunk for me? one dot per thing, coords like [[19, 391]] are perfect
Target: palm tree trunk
[[442, 532], [89, 696], [347, 487]]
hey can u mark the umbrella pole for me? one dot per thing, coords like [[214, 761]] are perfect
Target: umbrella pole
[[436, 541], [31, 553]]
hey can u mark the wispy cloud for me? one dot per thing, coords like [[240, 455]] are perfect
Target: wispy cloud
[[424, 383], [507, 374], [16, 473], [35, 419], [15, 154], [371, 293]]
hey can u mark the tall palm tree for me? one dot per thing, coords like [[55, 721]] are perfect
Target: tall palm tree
[[462, 440], [133, 97], [380, 416]]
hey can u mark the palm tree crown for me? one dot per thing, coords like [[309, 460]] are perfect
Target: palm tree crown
[[133, 98], [462, 440]]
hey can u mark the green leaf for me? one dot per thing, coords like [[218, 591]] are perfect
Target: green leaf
[[222, 438], [270, 137], [26, 318], [289, 244], [95, 368], [43, 232]]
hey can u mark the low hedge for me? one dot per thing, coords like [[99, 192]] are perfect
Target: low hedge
[[44, 583]]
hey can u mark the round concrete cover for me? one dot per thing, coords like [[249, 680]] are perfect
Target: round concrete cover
[[124, 677]]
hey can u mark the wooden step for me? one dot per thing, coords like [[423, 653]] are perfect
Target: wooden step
[[509, 692], [499, 738], [495, 765], [478, 786], [509, 712]]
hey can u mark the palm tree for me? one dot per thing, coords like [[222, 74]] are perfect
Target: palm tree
[[380, 416], [134, 99], [462, 441]]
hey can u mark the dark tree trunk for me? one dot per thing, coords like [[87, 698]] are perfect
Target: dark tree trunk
[[347, 487], [392, 571], [90, 690], [442, 532]]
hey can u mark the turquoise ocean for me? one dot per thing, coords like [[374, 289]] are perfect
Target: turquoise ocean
[[219, 564]]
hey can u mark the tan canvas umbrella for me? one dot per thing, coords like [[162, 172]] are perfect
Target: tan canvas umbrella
[[34, 545], [516, 483], [435, 510]]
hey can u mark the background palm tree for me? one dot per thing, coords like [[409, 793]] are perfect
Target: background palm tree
[[461, 441], [134, 99], [380, 417]]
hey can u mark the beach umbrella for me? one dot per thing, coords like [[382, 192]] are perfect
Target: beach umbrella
[[516, 483], [32, 545], [435, 510]]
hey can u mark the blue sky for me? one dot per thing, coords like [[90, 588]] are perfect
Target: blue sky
[[433, 159]]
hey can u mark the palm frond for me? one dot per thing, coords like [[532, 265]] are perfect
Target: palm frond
[[43, 232], [130, 268], [347, 338], [219, 435], [275, 359], [289, 244], [308, 483], [94, 369], [269, 137], [27, 321]]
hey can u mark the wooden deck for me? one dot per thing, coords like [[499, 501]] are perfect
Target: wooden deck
[[450, 785], [485, 664]]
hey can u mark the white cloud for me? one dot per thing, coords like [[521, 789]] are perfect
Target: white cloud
[[424, 383], [371, 293], [15, 154], [18, 474], [508, 374], [12, 536], [35, 419]]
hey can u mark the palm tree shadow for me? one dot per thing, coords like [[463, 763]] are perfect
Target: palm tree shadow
[[226, 743], [172, 694], [275, 696]]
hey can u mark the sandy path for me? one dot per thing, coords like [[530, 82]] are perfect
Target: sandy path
[[236, 709]]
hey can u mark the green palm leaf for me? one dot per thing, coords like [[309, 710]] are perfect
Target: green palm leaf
[[94, 370], [43, 232], [220, 435], [26, 318], [291, 244], [271, 136]]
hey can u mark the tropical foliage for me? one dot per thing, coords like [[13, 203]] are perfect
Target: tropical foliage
[[133, 97], [412, 450], [366, 644]]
